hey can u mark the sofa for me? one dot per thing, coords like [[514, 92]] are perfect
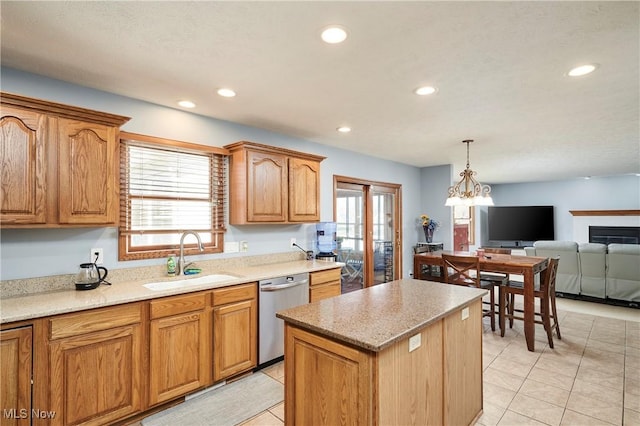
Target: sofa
[[594, 271]]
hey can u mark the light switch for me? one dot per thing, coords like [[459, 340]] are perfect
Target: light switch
[[415, 342], [465, 313]]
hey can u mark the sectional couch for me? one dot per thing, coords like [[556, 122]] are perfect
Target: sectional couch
[[595, 271]]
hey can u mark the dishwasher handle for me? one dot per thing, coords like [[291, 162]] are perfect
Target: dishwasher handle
[[276, 287]]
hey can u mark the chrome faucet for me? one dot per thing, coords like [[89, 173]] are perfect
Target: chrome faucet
[[181, 266]]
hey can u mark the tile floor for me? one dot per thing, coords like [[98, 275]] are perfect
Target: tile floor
[[591, 377]]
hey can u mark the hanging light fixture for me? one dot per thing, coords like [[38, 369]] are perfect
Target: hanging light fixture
[[469, 192]]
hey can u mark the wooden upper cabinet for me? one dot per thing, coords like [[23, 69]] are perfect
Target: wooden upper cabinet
[[273, 185], [266, 189], [60, 164], [304, 190], [87, 174], [22, 195]]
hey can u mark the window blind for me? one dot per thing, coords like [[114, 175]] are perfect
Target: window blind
[[166, 189]]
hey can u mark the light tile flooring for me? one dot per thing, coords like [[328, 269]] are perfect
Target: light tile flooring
[[591, 377]]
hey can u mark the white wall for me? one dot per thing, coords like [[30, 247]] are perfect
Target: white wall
[[26, 253], [597, 193]]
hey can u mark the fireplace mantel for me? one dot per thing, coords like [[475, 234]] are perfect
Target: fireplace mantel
[[605, 212], [583, 219]]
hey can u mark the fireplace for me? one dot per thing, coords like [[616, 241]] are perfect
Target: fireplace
[[614, 234]]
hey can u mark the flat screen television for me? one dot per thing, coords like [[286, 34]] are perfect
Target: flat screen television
[[521, 223]]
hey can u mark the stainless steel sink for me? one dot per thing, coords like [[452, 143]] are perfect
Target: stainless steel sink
[[187, 282]]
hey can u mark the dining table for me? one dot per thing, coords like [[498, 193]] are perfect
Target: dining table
[[428, 266]]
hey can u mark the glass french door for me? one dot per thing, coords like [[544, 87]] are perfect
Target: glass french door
[[368, 232]]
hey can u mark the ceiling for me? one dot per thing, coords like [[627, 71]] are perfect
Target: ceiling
[[500, 69]]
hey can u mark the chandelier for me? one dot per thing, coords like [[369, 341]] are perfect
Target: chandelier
[[469, 192]]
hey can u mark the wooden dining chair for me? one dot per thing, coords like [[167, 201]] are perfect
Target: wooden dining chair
[[465, 270], [498, 278], [545, 292], [496, 250]]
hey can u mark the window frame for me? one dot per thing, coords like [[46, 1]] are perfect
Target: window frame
[[218, 158], [470, 222]]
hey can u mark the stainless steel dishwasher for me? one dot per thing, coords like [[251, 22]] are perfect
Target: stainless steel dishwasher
[[277, 294]]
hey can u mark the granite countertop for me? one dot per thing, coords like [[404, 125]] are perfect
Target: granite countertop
[[45, 304], [392, 312]]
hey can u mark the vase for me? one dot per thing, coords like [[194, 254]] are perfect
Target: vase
[[428, 234]]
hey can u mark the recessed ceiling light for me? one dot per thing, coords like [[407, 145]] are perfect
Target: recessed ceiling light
[[425, 90], [582, 70], [344, 129], [227, 93], [187, 104], [334, 34]]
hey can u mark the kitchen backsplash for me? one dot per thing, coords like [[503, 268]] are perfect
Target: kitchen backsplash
[[22, 287]]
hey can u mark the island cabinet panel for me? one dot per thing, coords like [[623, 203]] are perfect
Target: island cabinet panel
[[235, 330], [22, 159], [96, 370], [15, 376], [179, 349], [410, 382], [462, 345], [60, 164], [336, 377], [324, 284], [272, 185], [430, 375]]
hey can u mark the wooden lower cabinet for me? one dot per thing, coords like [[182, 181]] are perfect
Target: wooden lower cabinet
[[179, 346], [96, 365], [324, 284], [438, 383], [235, 324], [15, 376]]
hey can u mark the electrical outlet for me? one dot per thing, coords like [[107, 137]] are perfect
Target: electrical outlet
[[465, 313], [293, 241], [100, 256], [244, 246], [415, 342]]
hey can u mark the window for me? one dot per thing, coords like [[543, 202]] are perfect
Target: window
[[166, 188], [463, 225]]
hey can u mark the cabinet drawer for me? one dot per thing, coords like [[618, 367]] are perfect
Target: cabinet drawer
[[236, 293], [94, 320], [322, 277], [324, 292], [177, 305]]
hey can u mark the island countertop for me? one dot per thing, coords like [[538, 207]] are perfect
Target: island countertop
[[376, 317]]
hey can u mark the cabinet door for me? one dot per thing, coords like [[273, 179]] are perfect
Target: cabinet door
[[87, 169], [304, 190], [337, 378], [22, 160], [324, 284], [96, 377], [266, 187], [178, 356], [15, 376], [324, 291], [462, 346], [234, 338]]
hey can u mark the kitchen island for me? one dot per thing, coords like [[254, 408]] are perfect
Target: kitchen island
[[403, 352]]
